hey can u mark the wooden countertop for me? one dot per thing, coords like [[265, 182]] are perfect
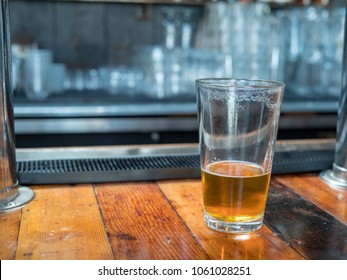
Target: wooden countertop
[[305, 219]]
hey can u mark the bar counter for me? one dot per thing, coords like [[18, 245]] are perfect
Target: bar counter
[[304, 219]]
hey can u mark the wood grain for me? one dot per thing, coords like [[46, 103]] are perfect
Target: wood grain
[[313, 189], [304, 226], [142, 225], [304, 218], [9, 228], [63, 223], [186, 197]]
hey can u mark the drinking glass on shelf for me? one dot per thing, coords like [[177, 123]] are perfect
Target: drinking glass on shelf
[[187, 29], [123, 80], [170, 25], [198, 63], [151, 61], [213, 32], [91, 79], [58, 76], [18, 56], [178, 27], [37, 67]]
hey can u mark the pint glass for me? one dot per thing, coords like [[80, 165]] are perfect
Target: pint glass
[[238, 123]]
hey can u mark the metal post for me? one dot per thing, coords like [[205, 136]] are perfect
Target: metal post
[[12, 195]]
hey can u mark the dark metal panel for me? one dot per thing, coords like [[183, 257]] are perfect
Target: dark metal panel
[[32, 22], [138, 168], [80, 39], [126, 26]]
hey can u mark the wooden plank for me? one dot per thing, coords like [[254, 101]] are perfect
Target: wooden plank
[[186, 197], [9, 234], [305, 227], [142, 225], [313, 189], [63, 223]]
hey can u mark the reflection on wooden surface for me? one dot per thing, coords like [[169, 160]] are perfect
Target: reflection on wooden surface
[[186, 198], [305, 219]]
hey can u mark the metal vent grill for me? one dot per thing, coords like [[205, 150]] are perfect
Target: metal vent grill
[[108, 164], [108, 169], [302, 161], [151, 167]]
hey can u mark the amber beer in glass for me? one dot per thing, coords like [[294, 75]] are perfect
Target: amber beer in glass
[[238, 123]]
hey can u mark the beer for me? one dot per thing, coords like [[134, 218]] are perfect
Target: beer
[[235, 191]]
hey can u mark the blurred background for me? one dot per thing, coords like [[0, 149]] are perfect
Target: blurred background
[[122, 72]]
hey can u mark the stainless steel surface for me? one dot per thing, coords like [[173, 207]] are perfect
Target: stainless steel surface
[[30, 110], [9, 189], [338, 175], [116, 163], [24, 110], [24, 195], [28, 154], [8, 177], [161, 116], [149, 124], [104, 125], [104, 151]]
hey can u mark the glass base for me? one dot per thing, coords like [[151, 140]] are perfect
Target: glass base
[[233, 227], [24, 195], [332, 180]]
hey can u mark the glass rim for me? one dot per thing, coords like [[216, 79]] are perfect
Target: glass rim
[[249, 84]]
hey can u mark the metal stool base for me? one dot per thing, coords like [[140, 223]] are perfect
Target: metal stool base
[[24, 196], [329, 177]]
